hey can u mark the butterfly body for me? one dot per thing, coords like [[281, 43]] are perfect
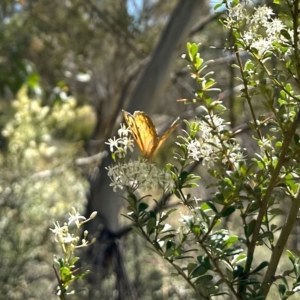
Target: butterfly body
[[145, 134]]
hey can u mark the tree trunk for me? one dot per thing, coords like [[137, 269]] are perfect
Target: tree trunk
[[151, 82]]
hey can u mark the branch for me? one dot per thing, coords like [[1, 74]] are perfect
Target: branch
[[204, 22], [90, 159], [278, 249], [264, 203]]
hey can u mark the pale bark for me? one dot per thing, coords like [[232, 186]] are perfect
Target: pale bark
[[156, 73], [150, 84]]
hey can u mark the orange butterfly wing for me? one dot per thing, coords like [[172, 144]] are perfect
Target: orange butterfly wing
[[166, 134], [143, 131], [145, 134], [148, 133]]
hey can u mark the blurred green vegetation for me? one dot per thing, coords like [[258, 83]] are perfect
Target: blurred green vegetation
[[63, 66], [39, 184]]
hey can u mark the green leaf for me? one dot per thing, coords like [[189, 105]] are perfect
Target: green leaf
[[211, 205], [228, 211], [288, 294], [66, 274], [74, 260], [179, 256], [291, 256], [250, 228], [276, 211], [151, 226], [177, 194], [209, 84], [295, 252], [190, 268], [168, 253], [260, 267], [297, 269], [231, 240], [142, 206], [61, 262], [178, 251], [204, 279], [33, 80], [196, 229], [267, 234], [170, 244], [198, 271], [183, 176], [81, 275], [190, 185], [219, 198], [238, 271], [239, 257], [249, 65], [165, 237], [198, 62], [218, 5], [169, 212], [194, 50], [232, 252], [204, 261], [281, 289]]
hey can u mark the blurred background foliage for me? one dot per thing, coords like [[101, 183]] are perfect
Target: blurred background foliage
[[64, 69], [39, 183]]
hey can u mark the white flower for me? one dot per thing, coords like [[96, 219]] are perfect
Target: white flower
[[263, 28], [212, 144], [262, 45], [273, 28], [193, 148], [140, 174], [113, 143], [123, 131], [236, 13], [248, 37], [75, 217], [186, 219], [233, 157], [59, 231], [265, 144], [119, 146], [194, 218], [262, 15]]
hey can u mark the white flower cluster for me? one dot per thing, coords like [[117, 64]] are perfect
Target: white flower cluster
[[209, 147], [121, 145], [69, 241], [190, 220], [263, 28], [140, 174], [134, 174], [236, 13]]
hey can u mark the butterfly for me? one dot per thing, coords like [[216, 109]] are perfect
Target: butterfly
[[145, 133]]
